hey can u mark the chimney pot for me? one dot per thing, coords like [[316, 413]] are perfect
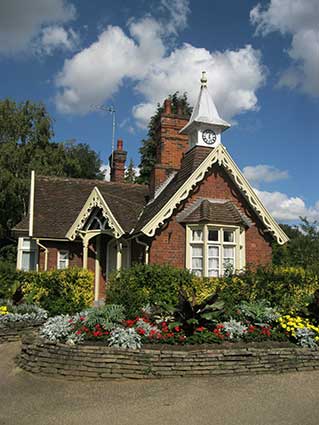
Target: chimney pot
[[167, 106], [119, 145]]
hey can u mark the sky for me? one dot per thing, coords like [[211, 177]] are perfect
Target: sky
[[261, 59]]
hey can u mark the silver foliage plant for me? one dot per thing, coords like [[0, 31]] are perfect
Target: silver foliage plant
[[125, 338], [59, 328], [235, 329], [146, 326], [24, 314], [305, 338]]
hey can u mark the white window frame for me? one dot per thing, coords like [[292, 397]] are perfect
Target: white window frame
[[22, 250], [238, 244], [66, 260]]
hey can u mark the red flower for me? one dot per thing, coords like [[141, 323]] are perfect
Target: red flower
[[265, 331], [82, 318], [78, 332], [97, 333], [200, 329], [141, 331], [182, 338], [177, 329], [130, 323], [251, 329]]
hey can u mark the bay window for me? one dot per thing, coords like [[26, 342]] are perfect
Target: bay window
[[212, 250]]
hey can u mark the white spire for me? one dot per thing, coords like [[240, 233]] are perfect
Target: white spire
[[204, 111]]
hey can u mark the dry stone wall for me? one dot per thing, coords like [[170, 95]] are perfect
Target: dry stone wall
[[100, 362], [15, 330]]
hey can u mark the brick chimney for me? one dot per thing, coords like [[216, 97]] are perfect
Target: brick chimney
[[117, 163], [170, 145]]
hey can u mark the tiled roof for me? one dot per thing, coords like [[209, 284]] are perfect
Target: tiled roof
[[191, 161], [58, 201], [219, 211]]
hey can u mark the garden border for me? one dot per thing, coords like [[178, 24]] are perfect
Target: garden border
[[100, 362]]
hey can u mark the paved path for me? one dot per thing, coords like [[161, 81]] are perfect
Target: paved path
[[288, 399]]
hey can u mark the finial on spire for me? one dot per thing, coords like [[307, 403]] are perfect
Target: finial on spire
[[203, 80]]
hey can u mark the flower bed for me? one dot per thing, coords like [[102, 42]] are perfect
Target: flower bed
[[16, 321], [102, 362]]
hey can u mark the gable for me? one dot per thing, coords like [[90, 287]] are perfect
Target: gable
[[218, 156]]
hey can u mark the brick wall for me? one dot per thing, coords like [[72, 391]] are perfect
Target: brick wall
[[169, 245], [100, 362]]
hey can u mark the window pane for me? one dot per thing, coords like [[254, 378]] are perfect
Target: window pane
[[63, 255], [25, 262], [197, 272], [229, 252], [213, 263], [197, 263], [197, 251], [213, 251], [213, 235], [28, 260], [213, 273], [229, 236], [197, 235], [26, 244]]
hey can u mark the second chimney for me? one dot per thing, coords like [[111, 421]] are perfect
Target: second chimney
[[117, 163]]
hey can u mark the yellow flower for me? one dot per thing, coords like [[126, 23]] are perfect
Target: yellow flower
[[3, 310]]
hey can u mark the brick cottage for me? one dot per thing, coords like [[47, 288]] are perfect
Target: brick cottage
[[198, 211]]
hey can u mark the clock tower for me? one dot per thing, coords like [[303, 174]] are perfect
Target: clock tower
[[205, 125]]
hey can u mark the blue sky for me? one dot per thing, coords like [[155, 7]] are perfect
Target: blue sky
[[262, 62]]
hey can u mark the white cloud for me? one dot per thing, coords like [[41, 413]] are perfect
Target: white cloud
[[96, 73], [143, 57], [298, 18], [285, 208], [178, 11], [233, 78], [264, 173], [106, 169], [21, 22], [56, 37]]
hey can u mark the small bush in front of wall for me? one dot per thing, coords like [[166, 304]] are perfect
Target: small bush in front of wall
[[9, 280], [143, 285], [59, 291], [24, 313]]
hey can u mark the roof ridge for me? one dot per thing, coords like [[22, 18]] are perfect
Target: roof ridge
[[80, 179]]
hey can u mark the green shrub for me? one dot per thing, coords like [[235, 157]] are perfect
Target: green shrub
[[59, 291], [288, 288], [9, 280], [143, 285]]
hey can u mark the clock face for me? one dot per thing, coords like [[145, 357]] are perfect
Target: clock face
[[209, 136]]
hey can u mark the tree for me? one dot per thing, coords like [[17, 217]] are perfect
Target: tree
[[148, 148], [25, 144], [130, 173], [302, 250]]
